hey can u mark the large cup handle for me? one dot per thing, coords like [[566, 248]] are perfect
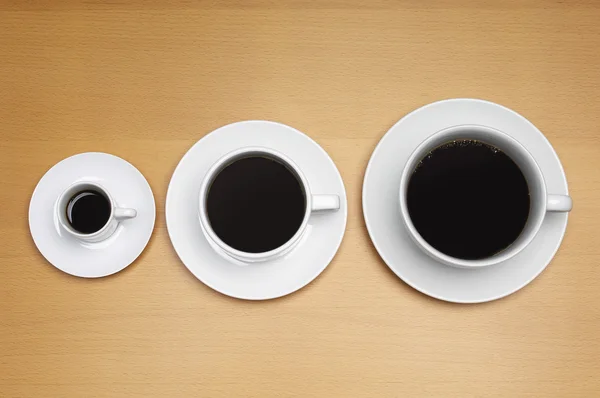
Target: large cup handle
[[325, 202], [559, 203], [123, 214]]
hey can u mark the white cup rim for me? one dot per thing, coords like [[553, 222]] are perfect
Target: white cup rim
[[213, 172], [62, 215], [511, 250]]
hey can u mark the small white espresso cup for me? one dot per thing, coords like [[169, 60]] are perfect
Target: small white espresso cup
[[540, 201], [117, 214], [314, 203]]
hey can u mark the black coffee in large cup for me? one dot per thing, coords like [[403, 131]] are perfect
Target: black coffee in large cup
[[472, 196], [468, 199]]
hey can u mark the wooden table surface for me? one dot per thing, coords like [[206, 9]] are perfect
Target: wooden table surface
[[144, 80]]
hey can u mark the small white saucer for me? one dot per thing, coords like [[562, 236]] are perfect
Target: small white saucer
[[382, 212], [128, 187], [271, 279]]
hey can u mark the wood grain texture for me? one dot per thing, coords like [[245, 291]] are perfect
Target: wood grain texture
[[144, 80]]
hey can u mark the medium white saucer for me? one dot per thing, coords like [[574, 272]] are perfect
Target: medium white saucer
[[271, 279], [128, 187], [382, 212]]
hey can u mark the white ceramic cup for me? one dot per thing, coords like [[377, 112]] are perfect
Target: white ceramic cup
[[540, 201], [314, 203], [117, 214]]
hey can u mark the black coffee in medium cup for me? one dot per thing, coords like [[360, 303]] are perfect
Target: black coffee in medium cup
[[255, 204], [473, 196]]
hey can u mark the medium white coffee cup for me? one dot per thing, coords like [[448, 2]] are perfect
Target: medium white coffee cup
[[117, 214], [540, 201], [314, 203]]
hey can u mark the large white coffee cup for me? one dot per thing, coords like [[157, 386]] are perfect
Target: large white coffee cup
[[540, 200], [117, 214], [314, 203]]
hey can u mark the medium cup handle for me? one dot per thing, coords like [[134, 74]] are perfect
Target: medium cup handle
[[559, 203], [123, 214], [325, 202]]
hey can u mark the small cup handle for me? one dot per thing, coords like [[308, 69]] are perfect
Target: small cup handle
[[325, 202], [123, 214], [559, 203]]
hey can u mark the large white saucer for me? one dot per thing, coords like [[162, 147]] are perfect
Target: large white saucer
[[125, 184], [382, 213], [271, 279]]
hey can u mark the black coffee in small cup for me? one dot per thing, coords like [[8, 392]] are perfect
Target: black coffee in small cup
[[88, 211], [256, 204], [468, 199]]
